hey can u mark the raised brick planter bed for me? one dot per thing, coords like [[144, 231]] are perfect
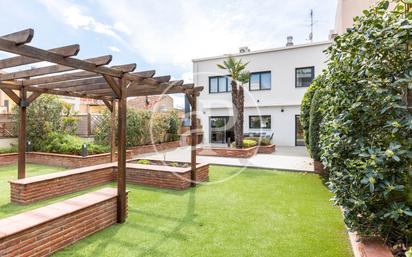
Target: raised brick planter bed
[[8, 158], [70, 161], [177, 178], [319, 168], [28, 190], [267, 149], [46, 230], [24, 191], [368, 248], [153, 148], [63, 160], [228, 152]]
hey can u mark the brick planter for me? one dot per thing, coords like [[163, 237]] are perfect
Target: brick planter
[[8, 158], [62, 160], [368, 248], [267, 149], [228, 152], [28, 190], [164, 176], [46, 230], [153, 148]]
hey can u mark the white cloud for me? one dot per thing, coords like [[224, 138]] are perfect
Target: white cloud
[[173, 32], [176, 31], [72, 15], [114, 49]]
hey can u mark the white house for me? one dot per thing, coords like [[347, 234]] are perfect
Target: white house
[[279, 78]]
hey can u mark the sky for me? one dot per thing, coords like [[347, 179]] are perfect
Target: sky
[[166, 35]]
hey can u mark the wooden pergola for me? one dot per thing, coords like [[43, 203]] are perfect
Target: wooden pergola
[[89, 78]]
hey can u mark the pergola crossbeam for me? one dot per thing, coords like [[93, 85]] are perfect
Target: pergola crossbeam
[[66, 51], [20, 37], [98, 61]]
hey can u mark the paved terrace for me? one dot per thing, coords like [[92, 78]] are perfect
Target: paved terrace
[[284, 158]]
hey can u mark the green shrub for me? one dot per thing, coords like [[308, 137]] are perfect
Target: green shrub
[[68, 144], [260, 140], [314, 125], [11, 149], [44, 116], [142, 127], [247, 143], [365, 137], [144, 162]]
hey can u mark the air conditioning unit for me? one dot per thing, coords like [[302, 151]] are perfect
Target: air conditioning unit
[[244, 49]]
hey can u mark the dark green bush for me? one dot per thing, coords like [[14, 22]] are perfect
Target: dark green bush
[[314, 124], [365, 137], [68, 144], [305, 108], [142, 127]]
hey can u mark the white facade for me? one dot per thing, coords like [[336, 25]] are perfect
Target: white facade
[[281, 102]]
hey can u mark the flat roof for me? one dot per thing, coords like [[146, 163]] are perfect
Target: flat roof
[[276, 49]]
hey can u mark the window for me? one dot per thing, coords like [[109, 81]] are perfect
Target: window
[[219, 84], [260, 81], [304, 76], [299, 139], [260, 122]]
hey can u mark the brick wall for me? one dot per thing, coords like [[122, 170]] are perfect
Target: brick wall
[[46, 230], [24, 191], [28, 190], [228, 152], [153, 148], [62, 160]]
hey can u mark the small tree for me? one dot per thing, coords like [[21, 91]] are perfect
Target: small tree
[[238, 73]]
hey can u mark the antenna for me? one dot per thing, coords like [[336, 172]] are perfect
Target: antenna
[[311, 26]]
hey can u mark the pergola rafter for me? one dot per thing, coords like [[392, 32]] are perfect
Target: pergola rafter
[[88, 78]]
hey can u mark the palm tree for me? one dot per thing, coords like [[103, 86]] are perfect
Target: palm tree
[[238, 73]]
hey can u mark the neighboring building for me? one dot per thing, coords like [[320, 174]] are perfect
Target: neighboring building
[[348, 9], [279, 78], [6, 104], [154, 103]]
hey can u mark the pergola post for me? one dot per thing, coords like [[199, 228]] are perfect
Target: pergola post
[[113, 132], [121, 154], [22, 134], [193, 130]]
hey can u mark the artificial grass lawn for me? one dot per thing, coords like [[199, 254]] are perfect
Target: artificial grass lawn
[[257, 213]]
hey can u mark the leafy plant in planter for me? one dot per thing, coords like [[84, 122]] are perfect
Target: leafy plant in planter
[[365, 137]]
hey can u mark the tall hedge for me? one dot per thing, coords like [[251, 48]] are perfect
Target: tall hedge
[[315, 120], [365, 137]]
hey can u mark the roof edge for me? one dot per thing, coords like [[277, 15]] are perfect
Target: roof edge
[[276, 49]]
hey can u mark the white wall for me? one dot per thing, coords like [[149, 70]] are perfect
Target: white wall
[[283, 94]]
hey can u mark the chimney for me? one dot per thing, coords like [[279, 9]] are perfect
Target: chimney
[[289, 41]]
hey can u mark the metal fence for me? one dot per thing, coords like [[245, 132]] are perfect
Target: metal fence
[[86, 124]]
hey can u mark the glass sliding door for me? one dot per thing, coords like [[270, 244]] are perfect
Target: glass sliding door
[[220, 129]]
